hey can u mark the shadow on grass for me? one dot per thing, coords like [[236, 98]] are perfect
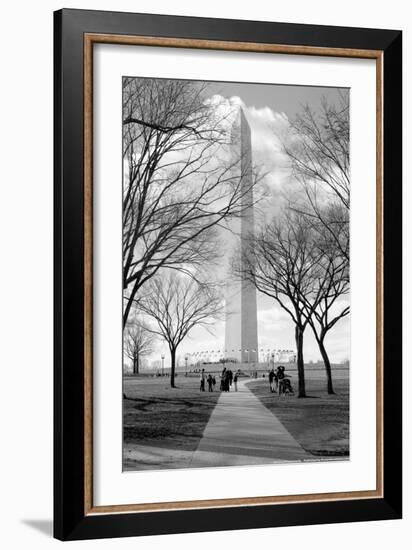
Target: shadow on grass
[[158, 415], [307, 396], [319, 422]]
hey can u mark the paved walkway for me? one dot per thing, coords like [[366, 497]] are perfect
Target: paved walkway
[[242, 431]]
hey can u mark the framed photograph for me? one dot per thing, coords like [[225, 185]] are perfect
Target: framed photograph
[[227, 274]]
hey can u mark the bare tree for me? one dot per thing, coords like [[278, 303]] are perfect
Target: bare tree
[[138, 342], [318, 150], [180, 180], [177, 303], [332, 284], [282, 261]]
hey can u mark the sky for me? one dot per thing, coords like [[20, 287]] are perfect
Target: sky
[[268, 109]]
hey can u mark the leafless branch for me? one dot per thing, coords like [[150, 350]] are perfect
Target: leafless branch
[[181, 180], [177, 303]]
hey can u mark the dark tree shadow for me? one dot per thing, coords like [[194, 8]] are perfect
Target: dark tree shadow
[[308, 397]]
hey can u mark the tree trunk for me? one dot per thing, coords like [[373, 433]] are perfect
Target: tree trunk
[[300, 362], [173, 367], [136, 364], [326, 362], [128, 307]]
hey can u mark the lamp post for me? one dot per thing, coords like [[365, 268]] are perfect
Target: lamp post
[[163, 365]]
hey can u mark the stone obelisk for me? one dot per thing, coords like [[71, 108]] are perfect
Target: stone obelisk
[[241, 338]]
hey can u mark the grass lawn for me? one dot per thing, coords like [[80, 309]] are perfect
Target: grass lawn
[[320, 423], [156, 414]]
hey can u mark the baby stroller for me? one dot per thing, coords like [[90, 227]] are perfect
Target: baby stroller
[[285, 387]]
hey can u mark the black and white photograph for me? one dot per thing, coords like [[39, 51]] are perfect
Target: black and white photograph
[[236, 288], [204, 288]]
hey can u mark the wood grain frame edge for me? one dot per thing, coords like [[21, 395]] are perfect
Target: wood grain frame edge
[[89, 40]]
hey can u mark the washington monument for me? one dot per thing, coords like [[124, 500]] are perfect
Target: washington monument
[[241, 339]]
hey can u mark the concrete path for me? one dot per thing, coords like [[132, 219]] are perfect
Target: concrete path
[[242, 431]]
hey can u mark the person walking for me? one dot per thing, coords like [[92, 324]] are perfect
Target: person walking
[[210, 382], [272, 377], [235, 378], [226, 381], [202, 380], [223, 380], [230, 379]]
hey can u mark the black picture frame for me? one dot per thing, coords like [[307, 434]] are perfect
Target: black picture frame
[[71, 522]]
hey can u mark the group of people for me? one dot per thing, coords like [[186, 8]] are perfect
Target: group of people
[[211, 381], [227, 378], [279, 381]]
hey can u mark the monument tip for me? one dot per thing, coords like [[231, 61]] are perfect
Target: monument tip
[[240, 124]]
